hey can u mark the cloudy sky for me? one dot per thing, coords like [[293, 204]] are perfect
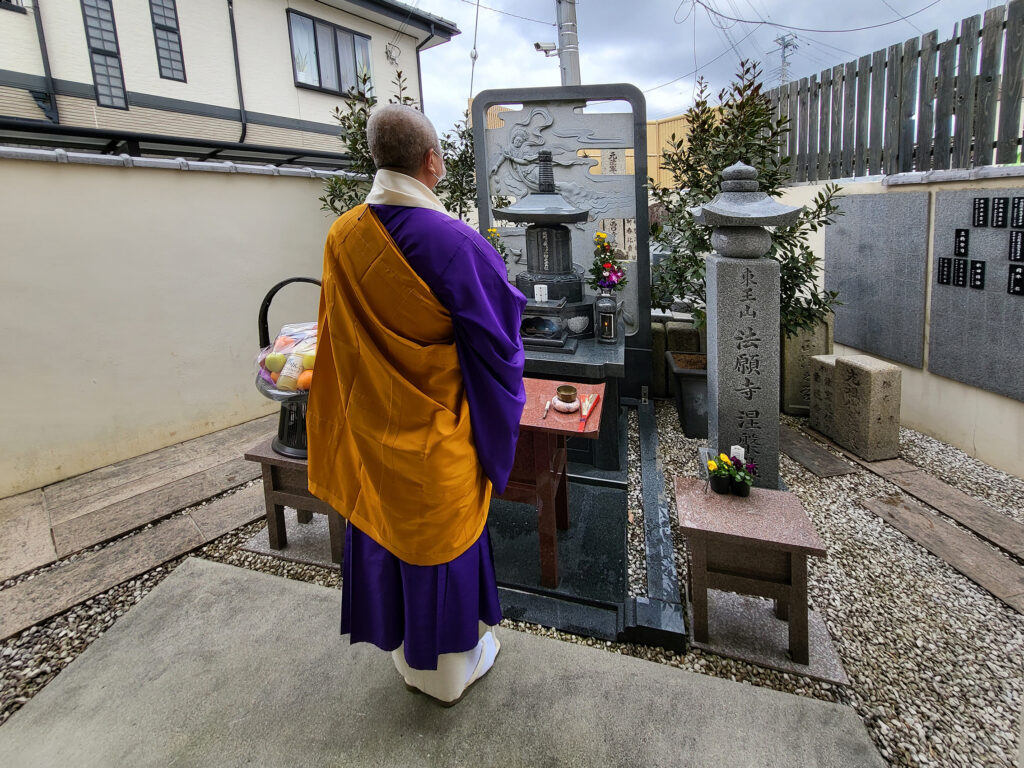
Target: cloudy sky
[[657, 44]]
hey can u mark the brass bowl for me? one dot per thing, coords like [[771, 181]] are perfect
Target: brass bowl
[[566, 393]]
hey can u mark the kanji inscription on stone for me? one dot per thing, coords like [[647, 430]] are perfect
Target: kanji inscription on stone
[[945, 270], [980, 212], [960, 273], [1017, 246], [960, 242], [1000, 211], [1017, 213], [977, 274], [1015, 286]]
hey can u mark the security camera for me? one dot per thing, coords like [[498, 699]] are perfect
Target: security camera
[[545, 47]]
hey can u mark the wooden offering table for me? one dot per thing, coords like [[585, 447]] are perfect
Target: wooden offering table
[[539, 472], [754, 546], [285, 484]]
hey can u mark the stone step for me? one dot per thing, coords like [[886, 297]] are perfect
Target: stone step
[[54, 591], [986, 567], [811, 455]]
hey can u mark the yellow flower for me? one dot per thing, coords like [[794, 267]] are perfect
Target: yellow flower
[[712, 465], [601, 235], [724, 458], [492, 230]]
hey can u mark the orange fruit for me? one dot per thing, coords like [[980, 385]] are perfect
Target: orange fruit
[[305, 379], [274, 376], [283, 342]]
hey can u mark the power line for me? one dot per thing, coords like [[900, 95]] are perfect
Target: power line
[[708, 8], [698, 68], [889, 6], [507, 13], [473, 54]]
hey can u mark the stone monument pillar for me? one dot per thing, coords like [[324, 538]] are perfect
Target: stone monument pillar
[[743, 292]]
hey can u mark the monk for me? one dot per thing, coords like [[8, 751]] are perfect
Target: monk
[[414, 413]]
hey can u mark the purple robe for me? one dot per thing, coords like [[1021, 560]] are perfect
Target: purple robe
[[470, 280], [436, 609]]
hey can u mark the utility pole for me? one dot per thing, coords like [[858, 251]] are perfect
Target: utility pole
[[568, 42], [786, 43]]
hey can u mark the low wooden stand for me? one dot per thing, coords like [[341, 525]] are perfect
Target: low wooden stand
[[753, 546], [539, 474], [285, 483]]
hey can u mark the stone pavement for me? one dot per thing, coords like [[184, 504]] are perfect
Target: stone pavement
[[221, 666]]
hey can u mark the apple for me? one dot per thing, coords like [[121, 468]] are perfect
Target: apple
[[307, 361], [274, 362]]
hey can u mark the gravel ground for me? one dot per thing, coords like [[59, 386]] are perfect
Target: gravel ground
[[636, 566], [935, 662]]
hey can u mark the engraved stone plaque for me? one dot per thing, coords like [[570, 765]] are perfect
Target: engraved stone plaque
[[960, 273], [1016, 246], [977, 276], [960, 242], [980, 217], [1015, 286], [1017, 213], [1000, 211]]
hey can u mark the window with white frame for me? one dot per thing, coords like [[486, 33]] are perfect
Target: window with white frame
[[168, 39], [328, 57], [104, 54]]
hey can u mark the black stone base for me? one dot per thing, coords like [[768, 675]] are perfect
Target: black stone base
[[592, 597], [562, 345]]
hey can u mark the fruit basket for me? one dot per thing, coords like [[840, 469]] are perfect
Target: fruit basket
[[284, 373]]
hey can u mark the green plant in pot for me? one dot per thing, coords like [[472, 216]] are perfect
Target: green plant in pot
[[720, 474], [741, 476]]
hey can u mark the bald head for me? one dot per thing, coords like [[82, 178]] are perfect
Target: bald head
[[400, 137]]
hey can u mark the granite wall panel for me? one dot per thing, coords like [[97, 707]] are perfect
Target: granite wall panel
[[876, 258], [976, 333]]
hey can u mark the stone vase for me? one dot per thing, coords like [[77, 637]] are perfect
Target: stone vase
[[689, 373]]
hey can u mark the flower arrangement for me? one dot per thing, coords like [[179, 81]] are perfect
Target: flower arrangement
[[727, 473], [495, 240], [723, 469], [606, 273]]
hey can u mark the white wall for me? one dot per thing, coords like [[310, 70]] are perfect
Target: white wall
[[985, 425], [19, 45], [130, 308]]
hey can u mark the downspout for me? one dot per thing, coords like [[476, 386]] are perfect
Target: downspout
[[419, 69], [47, 101], [238, 72]]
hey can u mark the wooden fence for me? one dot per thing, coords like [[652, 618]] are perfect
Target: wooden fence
[[914, 106]]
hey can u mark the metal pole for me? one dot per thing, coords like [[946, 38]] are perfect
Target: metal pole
[[568, 42]]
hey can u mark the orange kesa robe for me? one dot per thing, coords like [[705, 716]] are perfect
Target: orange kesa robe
[[388, 425]]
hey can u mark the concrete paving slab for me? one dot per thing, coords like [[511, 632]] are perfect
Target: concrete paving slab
[[308, 543], [745, 628], [220, 666]]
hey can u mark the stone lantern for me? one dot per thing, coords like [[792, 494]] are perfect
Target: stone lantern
[[743, 292], [557, 315]]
